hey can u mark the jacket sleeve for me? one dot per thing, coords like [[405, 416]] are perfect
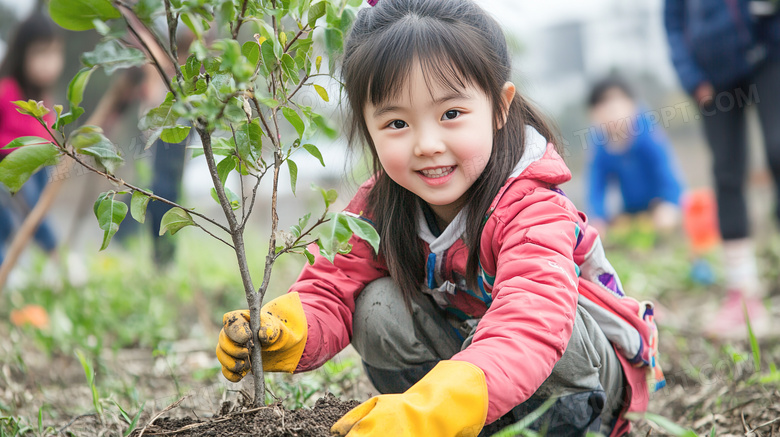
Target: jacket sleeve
[[674, 20], [528, 325], [597, 186], [328, 292]]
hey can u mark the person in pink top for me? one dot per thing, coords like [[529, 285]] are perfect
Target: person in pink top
[[33, 63], [490, 293]]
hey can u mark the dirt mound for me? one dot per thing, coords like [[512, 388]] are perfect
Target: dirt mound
[[270, 421]]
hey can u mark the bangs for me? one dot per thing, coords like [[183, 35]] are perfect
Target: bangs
[[449, 54]]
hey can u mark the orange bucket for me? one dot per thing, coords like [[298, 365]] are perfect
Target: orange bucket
[[700, 219]]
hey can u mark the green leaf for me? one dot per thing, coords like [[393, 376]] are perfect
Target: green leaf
[[315, 152], [77, 85], [175, 135], [325, 126], [754, 347], [316, 11], [249, 137], [268, 55], [334, 40], [100, 199], [293, 174], [318, 62], [224, 168], [31, 107], [289, 67], [322, 92], [235, 201], [364, 230], [25, 141], [175, 219], [294, 119], [147, 9], [68, 117], [191, 67], [521, 426], [251, 51], [329, 196], [161, 116], [667, 425], [138, 205], [113, 55], [90, 141], [309, 256], [110, 214], [23, 162], [78, 14]]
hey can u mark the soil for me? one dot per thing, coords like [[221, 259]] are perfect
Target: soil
[[270, 421]]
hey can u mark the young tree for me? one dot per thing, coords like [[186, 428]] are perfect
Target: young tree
[[236, 96]]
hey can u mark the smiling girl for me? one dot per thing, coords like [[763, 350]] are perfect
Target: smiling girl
[[490, 293]]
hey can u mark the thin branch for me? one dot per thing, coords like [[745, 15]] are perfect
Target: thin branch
[[169, 407], [300, 85], [262, 120], [240, 19], [154, 59], [254, 196], [173, 23], [297, 35], [295, 244], [150, 30], [207, 231], [208, 152], [116, 180]]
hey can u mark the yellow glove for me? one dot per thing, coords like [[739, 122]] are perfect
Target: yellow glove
[[451, 400], [283, 333]]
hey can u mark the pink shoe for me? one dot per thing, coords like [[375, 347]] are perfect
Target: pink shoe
[[729, 322]]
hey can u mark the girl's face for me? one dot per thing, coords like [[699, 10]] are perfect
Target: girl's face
[[43, 63], [433, 140]]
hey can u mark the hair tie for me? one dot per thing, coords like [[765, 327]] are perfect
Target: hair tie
[[372, 2]]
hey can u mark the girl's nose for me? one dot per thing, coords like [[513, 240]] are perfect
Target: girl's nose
[[429, 143]]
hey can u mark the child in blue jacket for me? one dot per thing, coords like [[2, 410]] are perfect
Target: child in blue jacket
[[632, 152]]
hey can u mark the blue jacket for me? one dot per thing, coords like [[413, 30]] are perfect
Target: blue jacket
[[644, 171], [718, 40]]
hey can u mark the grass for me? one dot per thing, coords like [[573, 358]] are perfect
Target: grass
[[129, 305]]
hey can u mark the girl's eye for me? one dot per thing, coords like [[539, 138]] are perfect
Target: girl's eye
[[397, 124], [451, 114]]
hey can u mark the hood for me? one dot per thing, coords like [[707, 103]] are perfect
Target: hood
[[540, 161]]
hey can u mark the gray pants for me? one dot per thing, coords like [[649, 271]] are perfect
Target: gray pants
[[398, 348]]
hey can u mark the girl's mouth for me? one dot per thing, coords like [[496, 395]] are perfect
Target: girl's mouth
[[438, 172]]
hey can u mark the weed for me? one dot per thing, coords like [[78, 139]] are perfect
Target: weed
[[90, 373], [521, 427]]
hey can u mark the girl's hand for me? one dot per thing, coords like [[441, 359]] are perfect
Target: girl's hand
[[282, 335], [450, 400]]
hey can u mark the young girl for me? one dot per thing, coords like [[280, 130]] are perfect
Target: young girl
[[33, 63], [490, 293]]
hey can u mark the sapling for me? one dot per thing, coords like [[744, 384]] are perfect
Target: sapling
[[239, 94]]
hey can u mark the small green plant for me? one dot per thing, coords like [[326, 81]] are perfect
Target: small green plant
[[521, 427], [90, 373], [131, 422], [663, 423], [11, 426]]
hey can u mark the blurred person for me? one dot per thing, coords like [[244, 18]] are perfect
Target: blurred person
[[727, 53], [33, 63], [631, 151]]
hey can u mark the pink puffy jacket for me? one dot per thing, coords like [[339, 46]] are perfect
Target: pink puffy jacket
[[533, 246]]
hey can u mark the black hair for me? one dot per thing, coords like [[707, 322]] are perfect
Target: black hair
[[35, 29], [456, 44], [598, 91]]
